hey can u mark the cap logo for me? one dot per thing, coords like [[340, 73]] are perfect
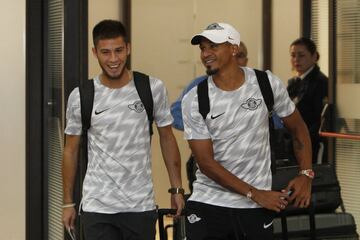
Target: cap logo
[[214, 26]]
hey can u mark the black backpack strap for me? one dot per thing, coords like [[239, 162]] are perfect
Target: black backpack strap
[[266, 90], [268, 96], [203, 98], [142, 85], [86, 90]]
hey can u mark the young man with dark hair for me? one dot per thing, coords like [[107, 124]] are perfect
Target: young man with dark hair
[[232, 197], [118, 197]]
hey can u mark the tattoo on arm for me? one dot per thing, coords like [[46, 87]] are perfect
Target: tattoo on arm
[[298, 145]]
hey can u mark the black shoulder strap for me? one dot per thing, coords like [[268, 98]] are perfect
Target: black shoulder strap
[[268, 96], [142, 84], [86, 90], [86, 102], [266, 90], [203, 98]]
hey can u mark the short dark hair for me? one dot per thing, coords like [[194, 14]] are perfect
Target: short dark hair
[[242, 44], [107, 29], [309, 45]]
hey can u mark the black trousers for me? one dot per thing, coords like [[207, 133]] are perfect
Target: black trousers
[[209, 222], [120, 226]]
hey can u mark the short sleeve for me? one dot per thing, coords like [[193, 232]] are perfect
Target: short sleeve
[[194, 124], [73, 114], [283, 105], [162, 114]]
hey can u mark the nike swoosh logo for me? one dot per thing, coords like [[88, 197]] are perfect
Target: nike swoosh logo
[[98, 112], [268, 225], [213, 117]]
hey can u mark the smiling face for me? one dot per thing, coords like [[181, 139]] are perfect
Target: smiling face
[[216, 56], [112, 56], [301, 58]]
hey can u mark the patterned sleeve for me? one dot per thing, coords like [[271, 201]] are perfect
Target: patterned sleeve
[[194, 124], [283, 105], [73, 114], [162, 115]]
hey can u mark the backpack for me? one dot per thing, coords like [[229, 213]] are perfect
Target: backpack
[[267, 93], [142, 85]]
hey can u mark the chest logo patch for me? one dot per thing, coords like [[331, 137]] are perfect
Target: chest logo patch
[[251, 104], [137, 106]]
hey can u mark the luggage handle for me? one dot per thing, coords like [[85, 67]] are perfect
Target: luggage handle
[[161, 213]]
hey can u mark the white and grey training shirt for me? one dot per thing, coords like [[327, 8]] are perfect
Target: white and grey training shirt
[[118, 177], [238, 126]]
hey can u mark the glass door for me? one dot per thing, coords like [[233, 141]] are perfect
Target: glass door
[[54, 95]]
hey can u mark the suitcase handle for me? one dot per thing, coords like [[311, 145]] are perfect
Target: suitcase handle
[[161, 213]]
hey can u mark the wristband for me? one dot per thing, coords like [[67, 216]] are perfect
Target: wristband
[[176, 190], [68, 205]]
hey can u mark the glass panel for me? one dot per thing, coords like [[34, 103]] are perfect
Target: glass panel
[[347, 94], [347, 22], [55, 118], [320, 32]]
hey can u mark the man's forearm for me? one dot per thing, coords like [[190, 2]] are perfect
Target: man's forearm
[[171, 155], [69, 169], [301, 139], [69, 166], [303, 151]]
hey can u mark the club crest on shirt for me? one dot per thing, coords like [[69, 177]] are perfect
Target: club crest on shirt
[[251, 104], [137, 106]]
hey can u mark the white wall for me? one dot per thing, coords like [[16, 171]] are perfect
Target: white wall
[[12, 121], [286, 28]]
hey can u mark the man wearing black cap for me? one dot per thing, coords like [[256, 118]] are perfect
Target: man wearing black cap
[[232, 195]]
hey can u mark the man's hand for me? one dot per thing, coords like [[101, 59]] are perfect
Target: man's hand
[[301, 191], [69, 216], [271, 200], [177, 202]]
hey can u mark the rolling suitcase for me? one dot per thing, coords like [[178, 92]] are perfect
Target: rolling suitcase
[[327, 226], [319, 221]]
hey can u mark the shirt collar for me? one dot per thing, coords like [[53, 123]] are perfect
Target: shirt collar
[[306, 73]]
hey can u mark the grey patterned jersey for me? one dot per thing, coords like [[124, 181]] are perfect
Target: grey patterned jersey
[[238, 126], [118, 177]]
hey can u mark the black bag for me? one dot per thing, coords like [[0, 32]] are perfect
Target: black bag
[[325, 197], [282, 148]]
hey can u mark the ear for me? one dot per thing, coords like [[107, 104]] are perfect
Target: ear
[[128, 49], [235, 49], [94, 52], [315, 57], [246, 61]]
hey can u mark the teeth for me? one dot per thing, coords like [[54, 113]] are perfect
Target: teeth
[[114, 66]]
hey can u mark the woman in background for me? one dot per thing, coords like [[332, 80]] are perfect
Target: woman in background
[[309, 88]]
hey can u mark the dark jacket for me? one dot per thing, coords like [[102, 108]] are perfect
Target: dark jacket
[[311, 92]]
